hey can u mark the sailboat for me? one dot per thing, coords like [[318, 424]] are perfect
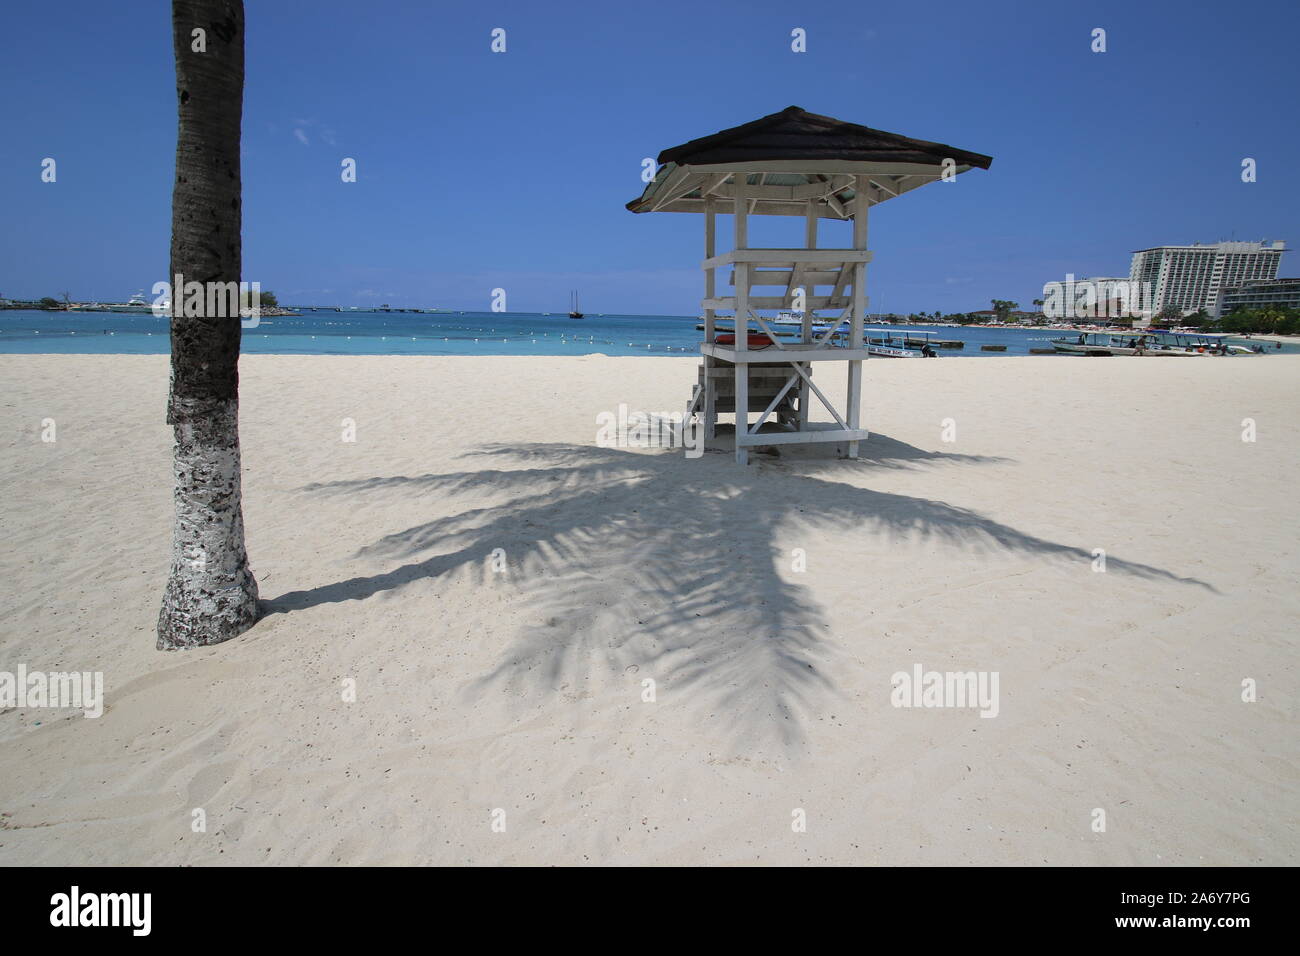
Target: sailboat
[[573, 312]]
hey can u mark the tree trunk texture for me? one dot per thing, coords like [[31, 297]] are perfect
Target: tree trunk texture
[[211, 595]]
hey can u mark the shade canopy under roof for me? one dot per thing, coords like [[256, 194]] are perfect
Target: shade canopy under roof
[[794, 156]]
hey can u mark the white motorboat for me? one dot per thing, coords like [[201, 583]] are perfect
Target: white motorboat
[[1119, 342], [1200, 343], [887, 343]]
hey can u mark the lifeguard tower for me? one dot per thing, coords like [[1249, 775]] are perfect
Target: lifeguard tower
[[791, 163]]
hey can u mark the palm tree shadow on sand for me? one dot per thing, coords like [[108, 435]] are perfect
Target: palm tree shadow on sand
[[651, 564]]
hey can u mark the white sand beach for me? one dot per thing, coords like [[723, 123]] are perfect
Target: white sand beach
[[522, 691]]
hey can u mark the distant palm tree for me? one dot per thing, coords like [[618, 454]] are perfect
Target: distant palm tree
[[1003, 308], [211, 595]]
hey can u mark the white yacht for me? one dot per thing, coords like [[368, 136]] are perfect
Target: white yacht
[[1200, 343]]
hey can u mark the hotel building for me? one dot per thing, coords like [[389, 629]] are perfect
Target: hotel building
[[1196, 276], [1262, 294]]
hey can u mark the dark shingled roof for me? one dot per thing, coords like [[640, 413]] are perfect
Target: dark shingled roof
[[795, 134]]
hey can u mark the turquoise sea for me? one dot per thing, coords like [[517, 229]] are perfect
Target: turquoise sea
[[445, 333]]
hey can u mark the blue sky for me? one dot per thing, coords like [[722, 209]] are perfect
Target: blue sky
[[478, 170]]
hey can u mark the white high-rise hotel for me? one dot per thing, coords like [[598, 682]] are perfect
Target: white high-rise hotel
[[1196, 276]]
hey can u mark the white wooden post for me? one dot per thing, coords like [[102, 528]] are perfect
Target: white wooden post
[[857, 323], [710, 290], [710, 274], [810, 242], [742, 321]]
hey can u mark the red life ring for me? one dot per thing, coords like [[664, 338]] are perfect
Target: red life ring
[[757, 340]]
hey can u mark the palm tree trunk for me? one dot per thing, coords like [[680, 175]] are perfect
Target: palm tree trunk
[[211, 595]]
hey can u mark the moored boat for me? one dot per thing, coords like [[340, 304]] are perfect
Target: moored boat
[[887, 343], [1105, 343], [137, 303], [1155, 344], [1199, 343]]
